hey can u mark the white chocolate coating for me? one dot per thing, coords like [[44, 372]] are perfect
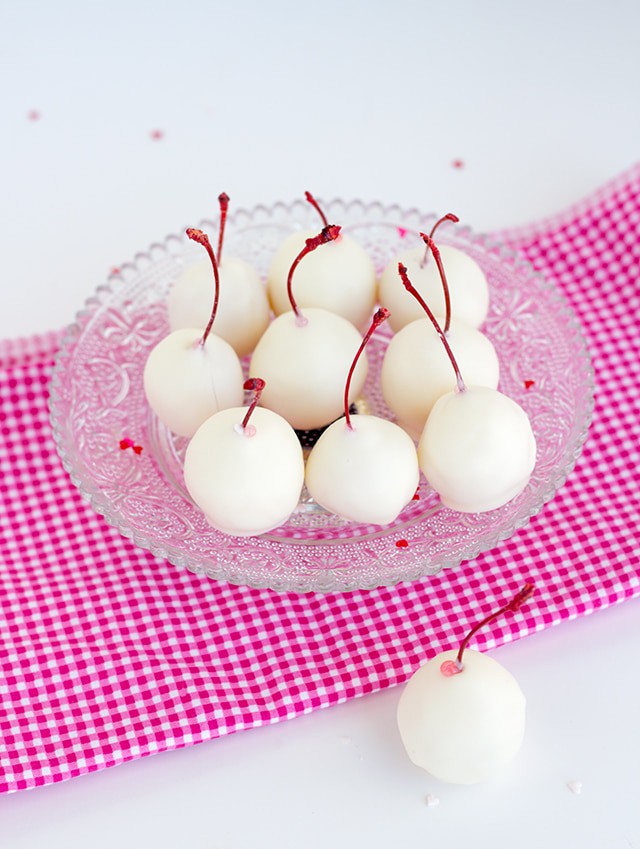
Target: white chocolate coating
[[339, 277], [477, 449], [367, 474], [462, 728], [185, 383], [306, 367], [245, 484], [468, 288], [243, 307], [416, 370]]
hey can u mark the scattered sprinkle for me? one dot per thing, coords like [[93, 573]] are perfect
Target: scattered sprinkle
[[157, 135], [431, 800], [129, 443], [402, 232], [33, 115], [529, 383], [416, 495], [575, 787], [457, 163], [115, 270], [345, 740], [402, 543]]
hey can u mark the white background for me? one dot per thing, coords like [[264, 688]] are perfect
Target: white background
[[371, 100]]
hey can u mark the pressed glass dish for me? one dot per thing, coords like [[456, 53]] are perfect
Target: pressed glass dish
[[97, 400]]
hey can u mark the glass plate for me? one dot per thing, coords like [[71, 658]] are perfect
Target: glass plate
[[97, 400]]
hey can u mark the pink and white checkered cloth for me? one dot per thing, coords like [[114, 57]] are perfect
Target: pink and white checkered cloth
[[109, 654]]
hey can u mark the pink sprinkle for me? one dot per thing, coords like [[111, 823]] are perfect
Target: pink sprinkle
[[402, 543], [449, 668], [157, 135], [529, 383], [402, 232], [457, 163], [115, 270], [33, 115]]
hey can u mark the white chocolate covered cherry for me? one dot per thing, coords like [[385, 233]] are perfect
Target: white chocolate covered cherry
[[243, 310], [341, 278], [186, 380], [461, 716], [243, 307], [245, 469], [477, 449], [190, 375]]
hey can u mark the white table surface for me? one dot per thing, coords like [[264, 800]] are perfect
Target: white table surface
[[346, 99]]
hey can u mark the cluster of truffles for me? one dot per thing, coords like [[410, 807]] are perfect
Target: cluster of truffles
[[244, 466]]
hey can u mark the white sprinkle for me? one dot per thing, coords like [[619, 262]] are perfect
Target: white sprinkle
[[432, 800], [575, 787], [345, 740]]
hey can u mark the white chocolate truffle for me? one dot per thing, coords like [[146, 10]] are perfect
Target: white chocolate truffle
[[477, 449], [340, 278], [462, 728], [468, 288], [305, 366], [416, 369], [249, 481], [366, 474], [243, 307], [186, 382]]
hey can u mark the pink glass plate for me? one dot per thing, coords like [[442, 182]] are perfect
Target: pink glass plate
[[97, 400]]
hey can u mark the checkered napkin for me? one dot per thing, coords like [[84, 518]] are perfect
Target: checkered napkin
[[109, 654]]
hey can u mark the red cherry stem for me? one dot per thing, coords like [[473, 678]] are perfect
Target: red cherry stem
[[255, 385], [431, 246], [381, 315], [202, 239], [223, 200], [516, 602], [314, 203], [402, 271], [327, 234], [448, 217]]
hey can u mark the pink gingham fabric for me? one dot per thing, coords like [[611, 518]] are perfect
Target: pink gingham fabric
[[109, 654]]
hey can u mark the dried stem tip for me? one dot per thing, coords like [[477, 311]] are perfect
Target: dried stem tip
[[328, 234], [314, 203], [255, 385], [223, 201]]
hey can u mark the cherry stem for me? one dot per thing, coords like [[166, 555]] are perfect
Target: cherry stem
[[327, 234], [255, 385], [448, 217], [202, 239], [431, 246], [381, 315], [223, 200], [402, 271], [515, 604], [314, 203]]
